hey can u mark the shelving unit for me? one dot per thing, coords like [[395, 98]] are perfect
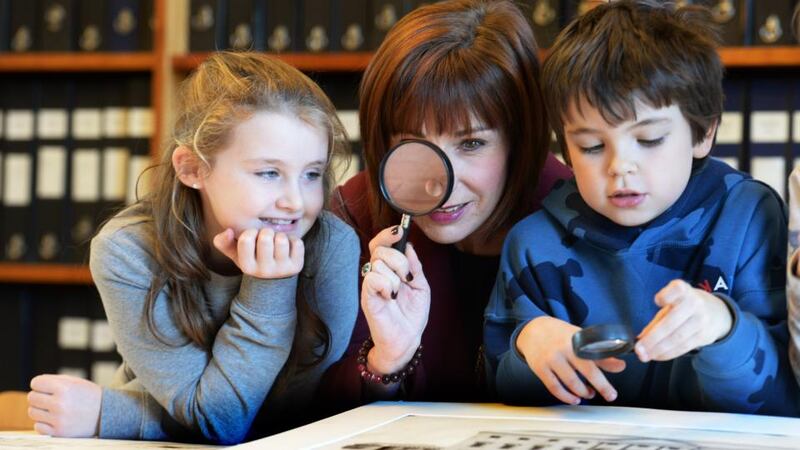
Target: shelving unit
[[308, 62], [168, 62]]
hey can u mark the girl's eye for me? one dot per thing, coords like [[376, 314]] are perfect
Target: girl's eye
[[651, 142], [591, 150], [313, 175], [268, 174], [471, 145]]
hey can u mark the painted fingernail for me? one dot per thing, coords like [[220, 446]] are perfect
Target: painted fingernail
[[395, 229], [409, 277], [394, 295]]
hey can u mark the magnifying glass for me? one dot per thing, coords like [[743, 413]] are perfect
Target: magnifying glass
[[603, 341], [415, 178]]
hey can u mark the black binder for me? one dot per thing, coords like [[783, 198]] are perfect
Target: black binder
[[85, 157], [283, 29], [146, 13], [91, 34], [318, 24], [575, 8], [246, 25], [115, 147], [19, 170], [122, 25], [23, 36], [5, 22], [352, 36], [772, 22], [729, 145], [16, 330], [383, 14], [57, 25], [208, 25], [733, 17], [139, 131], [52, 126], [545, 19]]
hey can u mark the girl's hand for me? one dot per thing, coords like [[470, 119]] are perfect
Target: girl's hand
[[689, 318], [263, 253], [546, 344], [64, 406], [396, 299]]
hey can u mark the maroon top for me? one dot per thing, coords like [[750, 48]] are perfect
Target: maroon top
[[451, 368]]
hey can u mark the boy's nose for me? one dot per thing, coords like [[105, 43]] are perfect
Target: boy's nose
[[621, 166]]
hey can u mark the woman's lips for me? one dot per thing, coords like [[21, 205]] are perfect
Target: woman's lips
[[449, 214]]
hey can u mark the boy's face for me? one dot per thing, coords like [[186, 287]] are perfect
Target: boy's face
[[636, 170]]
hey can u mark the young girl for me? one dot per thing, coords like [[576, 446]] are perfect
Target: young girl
[[793, 270], [228, 289]]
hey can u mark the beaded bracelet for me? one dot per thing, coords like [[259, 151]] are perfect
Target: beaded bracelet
[[396, 377]]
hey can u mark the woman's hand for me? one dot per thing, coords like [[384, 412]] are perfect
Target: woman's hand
[[689, 318], [396, 299], [546, 344], [64, 406], [263, 253]]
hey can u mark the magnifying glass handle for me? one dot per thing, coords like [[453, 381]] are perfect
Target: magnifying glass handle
[[401, 244]]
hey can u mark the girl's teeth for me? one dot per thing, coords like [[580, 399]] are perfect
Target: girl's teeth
[[279, 221]]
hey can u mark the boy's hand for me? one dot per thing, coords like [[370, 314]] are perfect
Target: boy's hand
[[64, 406], [263, 253], [546, 344], [689, 318]]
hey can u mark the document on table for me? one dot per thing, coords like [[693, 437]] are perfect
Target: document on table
[[434, 426]]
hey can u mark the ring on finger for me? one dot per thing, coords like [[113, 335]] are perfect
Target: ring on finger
[[366, 268]]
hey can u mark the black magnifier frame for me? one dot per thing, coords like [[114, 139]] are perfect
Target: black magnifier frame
[[407, 214], [603, 341]]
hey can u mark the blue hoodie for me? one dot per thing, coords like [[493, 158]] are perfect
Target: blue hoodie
[[725, 234]]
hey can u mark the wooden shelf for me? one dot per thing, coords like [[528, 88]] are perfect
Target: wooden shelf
[[307, 62], [743, 57], [45, 273], [738, 57], [77, 62]]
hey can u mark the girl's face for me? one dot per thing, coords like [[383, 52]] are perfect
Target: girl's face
[[479, 166], [268, 176]]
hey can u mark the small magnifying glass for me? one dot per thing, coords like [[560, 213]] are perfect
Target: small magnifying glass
[[415, 178], [603, 341]]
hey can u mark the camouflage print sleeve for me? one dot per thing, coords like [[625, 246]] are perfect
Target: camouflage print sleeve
[[793, 271]]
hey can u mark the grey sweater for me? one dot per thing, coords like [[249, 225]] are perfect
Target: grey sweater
[[177, 392]]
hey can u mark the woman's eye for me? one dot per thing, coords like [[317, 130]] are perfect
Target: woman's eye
[[472, 144], [651, 142], [269, 174]]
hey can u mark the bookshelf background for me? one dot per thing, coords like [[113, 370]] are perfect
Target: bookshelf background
[[32, 293]]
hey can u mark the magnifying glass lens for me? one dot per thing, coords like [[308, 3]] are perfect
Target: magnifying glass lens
[[415, 178], [604, 346], [603, 341]]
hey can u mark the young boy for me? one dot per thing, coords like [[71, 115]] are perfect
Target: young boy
[[651, 233]]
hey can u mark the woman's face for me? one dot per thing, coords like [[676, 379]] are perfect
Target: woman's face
[[479, 161]]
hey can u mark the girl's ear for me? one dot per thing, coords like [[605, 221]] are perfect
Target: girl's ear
[[188, 167], [701, 149]]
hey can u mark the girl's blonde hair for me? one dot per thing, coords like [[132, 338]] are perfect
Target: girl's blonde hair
[[225, 90]]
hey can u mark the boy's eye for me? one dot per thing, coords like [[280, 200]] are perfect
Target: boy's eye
[[472, 144], [593, 149], [651, 142]]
